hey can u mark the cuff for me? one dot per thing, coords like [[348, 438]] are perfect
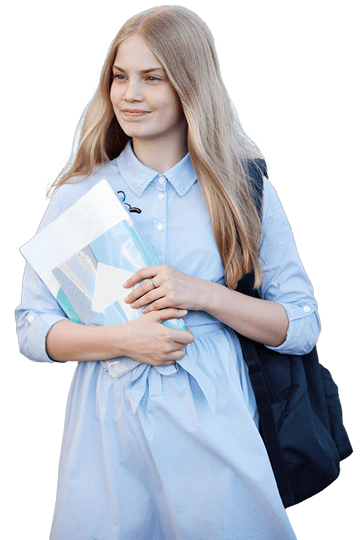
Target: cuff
[[34, 329], [303, 331]]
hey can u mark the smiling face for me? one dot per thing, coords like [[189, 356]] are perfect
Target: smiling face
[[144, 101]]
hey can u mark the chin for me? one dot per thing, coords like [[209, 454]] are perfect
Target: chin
[[134, 132], [142, 136]]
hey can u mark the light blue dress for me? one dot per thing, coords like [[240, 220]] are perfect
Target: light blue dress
[[171, 453]]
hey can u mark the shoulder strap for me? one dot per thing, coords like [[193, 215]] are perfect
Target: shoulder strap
[[255, 169]]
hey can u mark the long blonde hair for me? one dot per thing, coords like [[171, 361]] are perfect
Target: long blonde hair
[[218, 147]]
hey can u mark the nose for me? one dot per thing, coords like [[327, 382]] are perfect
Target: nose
[[133, 91]]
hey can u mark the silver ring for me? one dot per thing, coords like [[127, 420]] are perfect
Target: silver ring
[[152, 283]]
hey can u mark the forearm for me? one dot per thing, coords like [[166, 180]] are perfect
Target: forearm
[[260, 320], [70, 341], [144, 339]]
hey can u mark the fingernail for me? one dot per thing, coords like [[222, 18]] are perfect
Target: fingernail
[[183, 312], [125, 284]]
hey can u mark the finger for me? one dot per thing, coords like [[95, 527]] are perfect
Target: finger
[[143, 273], [142, 295], [175, 355], [178, 336], [155, 305], [181, 337], [184, 338], [168, 313], [171, 358]]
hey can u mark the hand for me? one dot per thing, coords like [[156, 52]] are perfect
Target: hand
[[150, 342], [171, 288]]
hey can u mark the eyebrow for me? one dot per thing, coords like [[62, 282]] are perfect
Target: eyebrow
[[143, 71]]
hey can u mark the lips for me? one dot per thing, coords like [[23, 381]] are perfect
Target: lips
[[134, 112]]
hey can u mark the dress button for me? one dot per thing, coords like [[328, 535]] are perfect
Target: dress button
[[307, 309], [160, 227], [161, 179], [161, 196], [31, 318]]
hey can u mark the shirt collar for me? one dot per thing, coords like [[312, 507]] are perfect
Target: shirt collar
[[182, 176]]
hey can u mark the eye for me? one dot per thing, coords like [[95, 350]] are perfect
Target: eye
[[118, 76], [152, 78]]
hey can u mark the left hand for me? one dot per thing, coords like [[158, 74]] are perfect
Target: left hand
[[172, 289]]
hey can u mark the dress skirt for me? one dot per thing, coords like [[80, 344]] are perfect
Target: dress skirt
[[168, 453]]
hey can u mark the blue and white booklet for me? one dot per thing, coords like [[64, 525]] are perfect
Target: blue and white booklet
[[85, 256]]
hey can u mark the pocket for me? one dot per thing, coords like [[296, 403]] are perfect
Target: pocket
[[335, 414]]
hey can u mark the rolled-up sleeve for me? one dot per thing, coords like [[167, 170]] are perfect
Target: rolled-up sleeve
[[285, 280], [39, 310]]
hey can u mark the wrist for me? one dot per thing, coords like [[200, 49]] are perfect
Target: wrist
[[210, 294], [114, 339]]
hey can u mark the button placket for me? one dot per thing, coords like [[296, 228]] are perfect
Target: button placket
[[160, 216]]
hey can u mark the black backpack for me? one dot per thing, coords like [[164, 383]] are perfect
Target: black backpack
[[298, 404]]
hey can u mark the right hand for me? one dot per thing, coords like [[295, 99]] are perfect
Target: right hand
[[150, 342]]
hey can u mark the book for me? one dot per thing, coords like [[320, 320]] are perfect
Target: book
[[85, 256]]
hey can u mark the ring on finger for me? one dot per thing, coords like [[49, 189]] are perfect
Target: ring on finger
[[152, 283]]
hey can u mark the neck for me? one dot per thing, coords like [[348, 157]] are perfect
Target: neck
[[161, 154]]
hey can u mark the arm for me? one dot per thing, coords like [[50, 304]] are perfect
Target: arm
[[258, 319], [45, 334], [284, 318], [261, 320], [145, 340], [38, 310]]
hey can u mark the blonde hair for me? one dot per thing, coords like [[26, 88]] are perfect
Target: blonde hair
[[218, 147]]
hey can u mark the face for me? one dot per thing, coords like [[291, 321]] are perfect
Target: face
[[144, 101]]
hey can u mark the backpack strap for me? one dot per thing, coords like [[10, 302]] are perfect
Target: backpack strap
[[255, 170]]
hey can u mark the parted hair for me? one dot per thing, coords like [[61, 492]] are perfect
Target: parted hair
[[218, 147]]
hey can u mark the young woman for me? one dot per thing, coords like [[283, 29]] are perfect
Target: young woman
[[171, 449]]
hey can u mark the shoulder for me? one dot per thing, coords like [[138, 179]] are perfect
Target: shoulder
[[67, 194], [264, 195], [275, 225], [76, 187], [272, 207]]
